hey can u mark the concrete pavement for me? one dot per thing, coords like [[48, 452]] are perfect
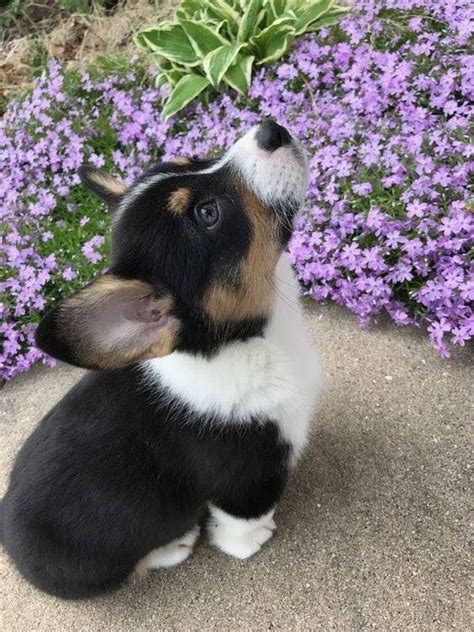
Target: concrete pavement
[[372, 532]]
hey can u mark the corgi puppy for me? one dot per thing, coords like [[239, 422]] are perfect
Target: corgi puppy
[[201, 381]]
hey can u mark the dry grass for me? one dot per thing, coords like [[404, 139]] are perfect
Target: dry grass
[[73, 38]]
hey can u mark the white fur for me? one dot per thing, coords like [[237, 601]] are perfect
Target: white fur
[[277, 377], [173, 553], [279, 176], [236, 536]]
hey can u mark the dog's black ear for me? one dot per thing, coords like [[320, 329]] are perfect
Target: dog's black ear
[[110, 324], [104, 185]]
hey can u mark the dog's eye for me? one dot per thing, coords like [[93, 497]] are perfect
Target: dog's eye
[[208, 214]]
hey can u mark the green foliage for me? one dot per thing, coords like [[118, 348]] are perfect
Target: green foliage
[[67, 233], [216, 42]]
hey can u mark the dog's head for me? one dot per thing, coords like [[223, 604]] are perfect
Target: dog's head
[[194, 249]]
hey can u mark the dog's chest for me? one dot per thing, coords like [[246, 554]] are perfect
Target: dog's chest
[[275, 378]]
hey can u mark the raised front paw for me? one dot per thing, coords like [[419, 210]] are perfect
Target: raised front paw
[[239, 537]]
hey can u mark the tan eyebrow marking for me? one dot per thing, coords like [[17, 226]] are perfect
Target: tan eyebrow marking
[[179, 200]]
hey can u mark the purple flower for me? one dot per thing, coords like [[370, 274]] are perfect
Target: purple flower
[[416, 209], [69, 274], [388, 225], [89, 249], [363, 188]]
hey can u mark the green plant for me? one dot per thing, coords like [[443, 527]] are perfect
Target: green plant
[[215, 42]]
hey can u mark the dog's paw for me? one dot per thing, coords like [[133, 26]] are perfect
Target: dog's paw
[[238, 537], [173, 553]]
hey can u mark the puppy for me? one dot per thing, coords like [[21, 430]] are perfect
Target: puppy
[[201, 384]]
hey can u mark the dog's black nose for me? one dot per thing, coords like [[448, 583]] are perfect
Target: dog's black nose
[[271, 136]]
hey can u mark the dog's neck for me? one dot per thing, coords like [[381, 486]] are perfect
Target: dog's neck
[[235, 380], [273, 377]]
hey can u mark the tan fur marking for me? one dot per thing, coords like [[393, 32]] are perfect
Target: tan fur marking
[[139, 572], [255, 295], [180, 200], [108, 182], [181, 160], [80, 319], [108, 284]]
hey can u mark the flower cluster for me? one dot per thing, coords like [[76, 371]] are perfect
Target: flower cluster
[[390, 225], [383, 104]]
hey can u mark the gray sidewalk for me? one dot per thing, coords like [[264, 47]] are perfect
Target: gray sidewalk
[[372, 533]]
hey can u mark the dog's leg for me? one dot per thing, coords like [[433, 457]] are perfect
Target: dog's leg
[[172, 553], [241, 520], [239, 537]]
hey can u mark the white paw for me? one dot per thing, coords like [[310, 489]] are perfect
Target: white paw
[[238, 537], [173, 553]]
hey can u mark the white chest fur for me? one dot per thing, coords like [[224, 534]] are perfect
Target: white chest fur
[[277, 376]]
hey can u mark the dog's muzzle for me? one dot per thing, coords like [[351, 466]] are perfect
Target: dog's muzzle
[[273, 164]]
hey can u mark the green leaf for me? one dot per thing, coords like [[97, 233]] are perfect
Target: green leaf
[[326, 20], [239, 75], [161, 80], [217, 62], [161, 62], [249, 20], [345, 8], [203, 39], [278, 47], [187, 89], [175, 75], [273, 41], [307, 16], [223, 11], [170, 41], [190, 7], [276, 8]]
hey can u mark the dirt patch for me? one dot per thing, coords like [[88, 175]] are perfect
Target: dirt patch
[[48, 31]]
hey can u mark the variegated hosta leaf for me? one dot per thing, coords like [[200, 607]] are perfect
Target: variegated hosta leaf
[[203, 39], [189, 7], [239, 75], [211, 41], [276, 8], [326, 20], [249, 19], [217, 62], [169, 41], [161, 80], [175, 75], [272, 39], [308, 15], [223, 10], [187, 89]]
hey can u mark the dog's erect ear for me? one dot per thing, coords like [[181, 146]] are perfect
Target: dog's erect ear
[[110, 324], [107, 187]]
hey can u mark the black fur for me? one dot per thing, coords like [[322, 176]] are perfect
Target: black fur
[[194, 257], [117, 469], [112, 472]]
